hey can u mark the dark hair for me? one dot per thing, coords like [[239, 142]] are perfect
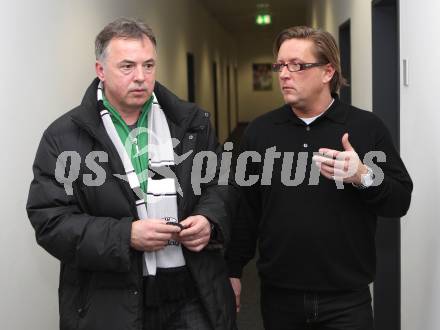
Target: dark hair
[[128, 28], [326, 50]]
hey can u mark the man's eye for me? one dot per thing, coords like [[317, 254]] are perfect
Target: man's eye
[[149, 66], [126, 67]]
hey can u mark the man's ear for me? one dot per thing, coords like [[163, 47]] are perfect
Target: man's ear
[[329, 72], [99, 68]]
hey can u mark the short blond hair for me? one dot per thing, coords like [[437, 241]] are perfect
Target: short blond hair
[[326, 50]]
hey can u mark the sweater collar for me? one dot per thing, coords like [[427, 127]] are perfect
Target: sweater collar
[[337, 112]]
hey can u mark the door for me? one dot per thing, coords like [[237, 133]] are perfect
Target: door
[[386, 105]]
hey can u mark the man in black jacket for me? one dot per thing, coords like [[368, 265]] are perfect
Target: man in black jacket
[[114, 199], [316, 195]]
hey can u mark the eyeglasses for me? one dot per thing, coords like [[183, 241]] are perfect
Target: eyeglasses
[[295, 67]]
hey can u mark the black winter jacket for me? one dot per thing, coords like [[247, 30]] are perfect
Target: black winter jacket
[[89, 231]]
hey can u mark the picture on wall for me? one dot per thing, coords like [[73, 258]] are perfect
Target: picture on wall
[[262, 76]]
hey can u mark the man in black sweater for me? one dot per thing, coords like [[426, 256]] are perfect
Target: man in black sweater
[[320, 174]]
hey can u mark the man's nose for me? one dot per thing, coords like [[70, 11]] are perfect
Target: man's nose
[[139, 74], [284, 72]]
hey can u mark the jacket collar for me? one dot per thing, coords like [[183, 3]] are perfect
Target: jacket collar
[[337, 112], [87, 113], [179, 112]]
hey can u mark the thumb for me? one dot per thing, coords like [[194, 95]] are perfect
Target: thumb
[[346, 144]]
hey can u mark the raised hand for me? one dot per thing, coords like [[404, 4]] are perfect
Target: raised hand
[[341, 165]]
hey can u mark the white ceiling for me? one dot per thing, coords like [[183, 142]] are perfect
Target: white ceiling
[[238, 16]]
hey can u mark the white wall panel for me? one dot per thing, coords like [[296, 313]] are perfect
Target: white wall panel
[[420, 147]]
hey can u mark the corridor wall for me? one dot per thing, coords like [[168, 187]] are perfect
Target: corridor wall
[[253, 103], [329, 15], [420, 147]]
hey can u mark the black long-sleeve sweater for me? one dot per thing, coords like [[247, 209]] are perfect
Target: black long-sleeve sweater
[[314, 236]]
